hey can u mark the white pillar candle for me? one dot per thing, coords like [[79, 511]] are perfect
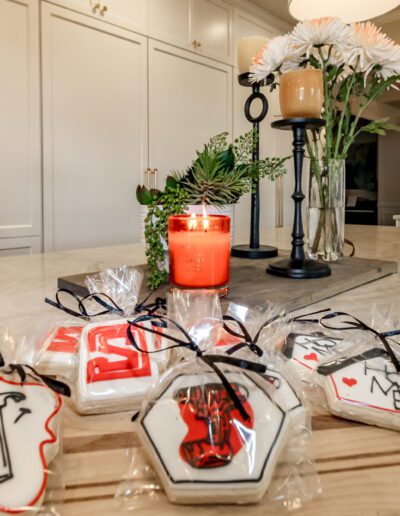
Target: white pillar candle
[[247, 49]]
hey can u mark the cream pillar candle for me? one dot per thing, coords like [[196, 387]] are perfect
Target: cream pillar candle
[[247, 49]]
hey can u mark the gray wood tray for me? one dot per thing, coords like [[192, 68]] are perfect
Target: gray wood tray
[[249, 283]]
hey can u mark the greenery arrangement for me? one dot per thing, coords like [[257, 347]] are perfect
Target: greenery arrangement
[[220, 175]]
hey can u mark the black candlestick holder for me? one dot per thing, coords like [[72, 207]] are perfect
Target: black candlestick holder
[[254, 250], [297, 266]]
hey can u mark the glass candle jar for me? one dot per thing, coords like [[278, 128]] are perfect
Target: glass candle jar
[[199, 251], [301, 93]]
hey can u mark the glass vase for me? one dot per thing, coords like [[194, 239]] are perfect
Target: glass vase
[[326, 210]]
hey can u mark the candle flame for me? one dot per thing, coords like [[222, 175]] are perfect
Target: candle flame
[[192, 222], [206, 222]]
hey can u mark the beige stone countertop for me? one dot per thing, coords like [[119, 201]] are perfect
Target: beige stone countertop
[[26, 280]]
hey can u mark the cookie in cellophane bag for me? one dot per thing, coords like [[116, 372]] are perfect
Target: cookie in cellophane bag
[[210, 450], [363, 383], [112, 375], [30, 434]]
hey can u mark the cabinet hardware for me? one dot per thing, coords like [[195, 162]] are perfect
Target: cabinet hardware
[[103, 9], [194, 43], [198, 44], [95, 7]]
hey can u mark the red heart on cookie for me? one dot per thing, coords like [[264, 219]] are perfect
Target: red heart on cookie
[[311, 356], [349, 381]]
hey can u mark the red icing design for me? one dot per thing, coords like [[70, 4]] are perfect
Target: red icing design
[[52, 438], [212, 439], [349, 381], [227, 339], [311, 356], [66, 339], [133, 364]]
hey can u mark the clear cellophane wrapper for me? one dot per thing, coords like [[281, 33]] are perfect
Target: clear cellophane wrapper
[[31, 429], [121, 284], [361, 382], [207, 451]]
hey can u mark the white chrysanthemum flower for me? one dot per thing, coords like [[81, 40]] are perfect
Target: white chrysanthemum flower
[[371, 47], [274, 56], [319, 31]]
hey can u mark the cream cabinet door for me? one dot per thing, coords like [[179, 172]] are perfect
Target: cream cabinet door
[[20, 172], [94, 130], [129, 14], [190, 100], [171, 21], [213, 29]]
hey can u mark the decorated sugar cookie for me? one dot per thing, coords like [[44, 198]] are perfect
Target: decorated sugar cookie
[[61, 348], [207, 452], [112, 374], [306, 351], [28, 437], [364, 387]]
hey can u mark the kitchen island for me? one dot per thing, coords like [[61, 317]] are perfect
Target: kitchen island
[[359, 465]]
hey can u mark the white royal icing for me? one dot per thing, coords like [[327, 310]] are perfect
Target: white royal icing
[[306, 351], [365, 387], [112, 374], [60, 350], [28, 436], [250, 468]]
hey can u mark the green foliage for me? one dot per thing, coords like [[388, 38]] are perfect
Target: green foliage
[[379, 127], [220, 175], [170, 202]]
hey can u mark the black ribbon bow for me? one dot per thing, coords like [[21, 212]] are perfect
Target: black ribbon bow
[[54, 385], [357, 324], [249, 341], [188, 343], [105, 301]]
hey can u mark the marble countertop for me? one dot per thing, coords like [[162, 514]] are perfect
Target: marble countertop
[[26, 280]]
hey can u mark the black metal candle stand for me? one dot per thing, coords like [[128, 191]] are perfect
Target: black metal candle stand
[[254, 250], [297, 266]]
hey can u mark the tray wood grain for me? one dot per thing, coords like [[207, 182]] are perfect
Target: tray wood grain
[[249, 283]]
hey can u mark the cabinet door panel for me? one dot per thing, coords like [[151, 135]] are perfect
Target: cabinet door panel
[[213, 29], [20, 174], [94, 127], [131, 14], [190, 100], [18, 246], [170, 21]]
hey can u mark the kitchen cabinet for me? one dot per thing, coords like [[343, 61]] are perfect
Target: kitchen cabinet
[[94, 130], [129, 14], [190, 100], [20, 147], [202, 26]]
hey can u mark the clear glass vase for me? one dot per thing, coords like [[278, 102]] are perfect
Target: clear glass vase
[[326, 210]]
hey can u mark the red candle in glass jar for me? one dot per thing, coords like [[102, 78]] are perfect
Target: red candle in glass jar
[[199, 251]]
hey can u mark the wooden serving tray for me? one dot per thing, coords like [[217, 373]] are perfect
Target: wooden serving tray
[[251, 285]]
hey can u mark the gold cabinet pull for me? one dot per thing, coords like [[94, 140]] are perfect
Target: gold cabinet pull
[[95, 7], [194, 43], [198, 44], [103, 9]]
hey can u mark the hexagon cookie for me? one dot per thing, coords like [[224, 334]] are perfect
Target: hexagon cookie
[[364, 387], [202, 448]]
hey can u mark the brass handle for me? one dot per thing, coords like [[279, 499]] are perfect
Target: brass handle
[[103, 9], [198, 44], [95, 7], [194, 43]]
